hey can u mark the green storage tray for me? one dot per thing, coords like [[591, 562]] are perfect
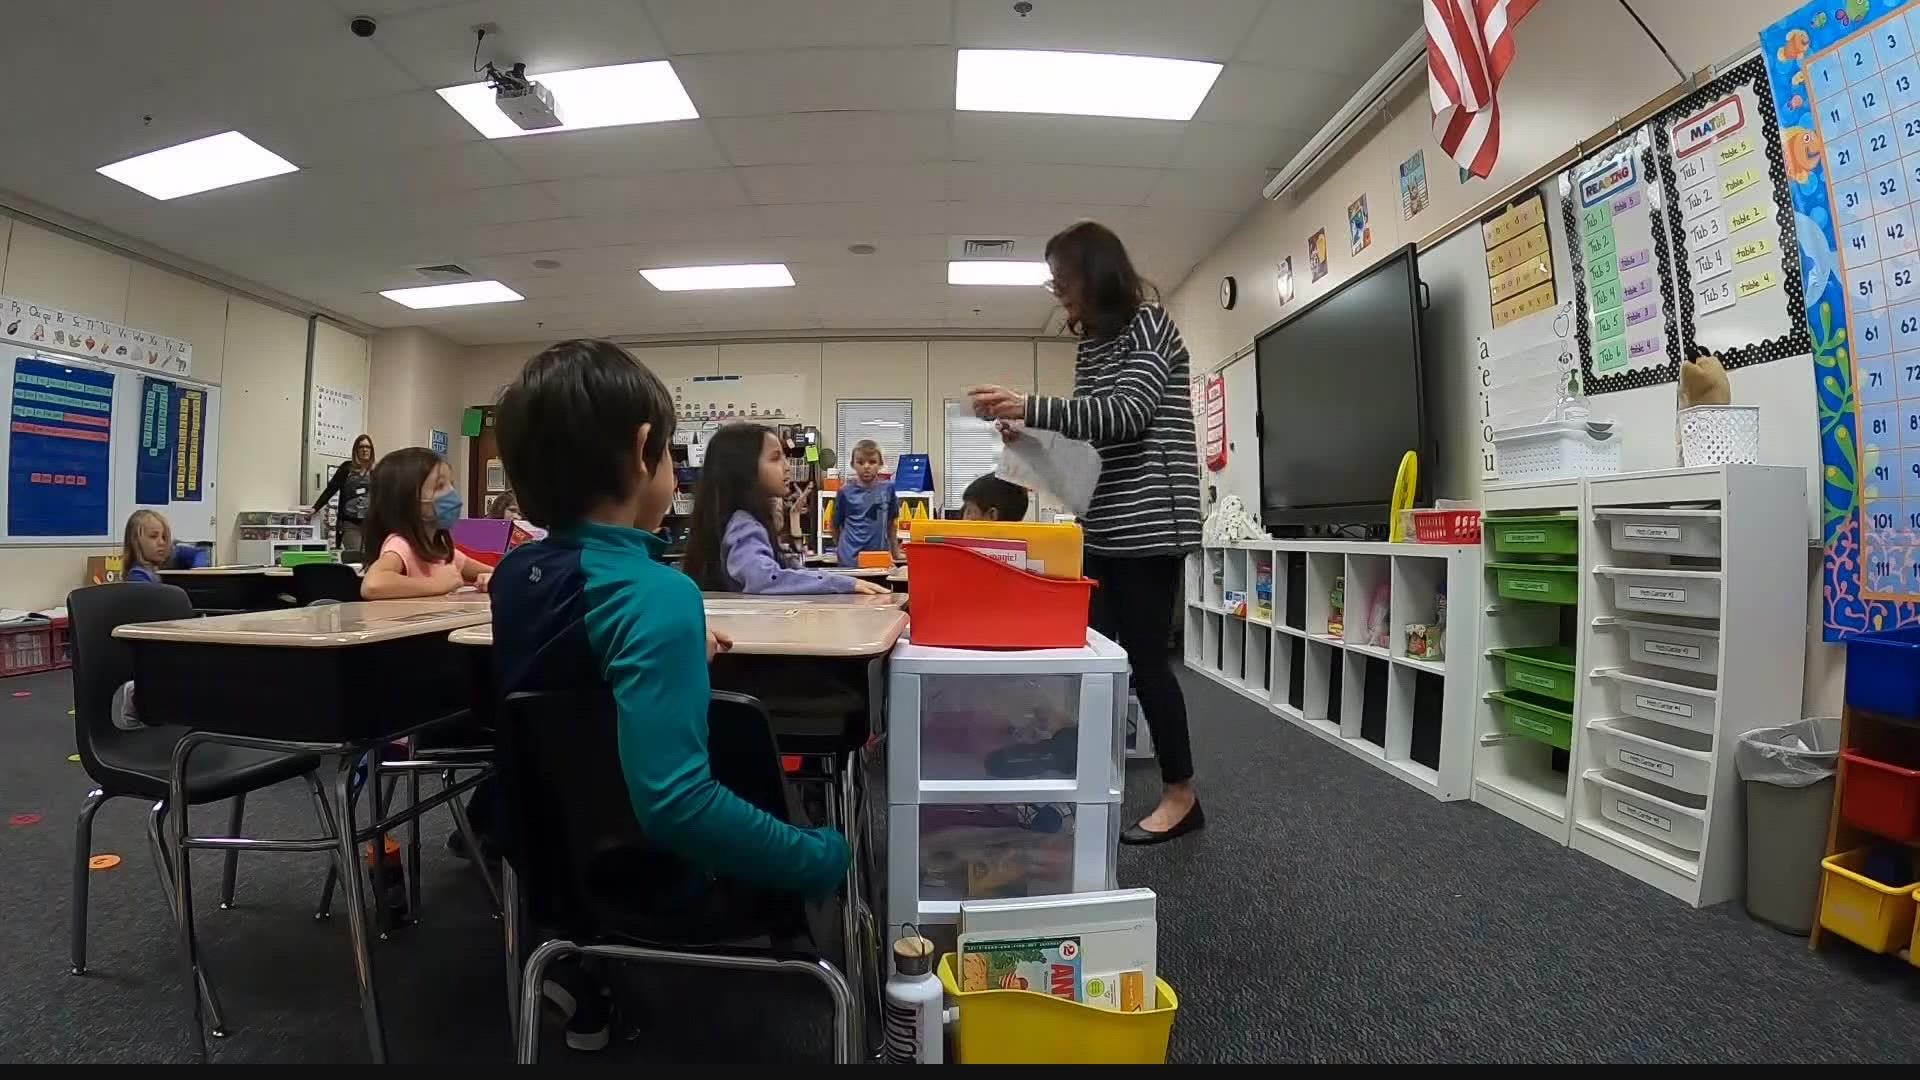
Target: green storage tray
[[1547, 583], [1545, 670], [1550, 534], [1535, 718], [302, 558]]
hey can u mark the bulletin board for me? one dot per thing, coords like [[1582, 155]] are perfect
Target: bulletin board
[[1624, 315], [1846, 85], [82, 437]]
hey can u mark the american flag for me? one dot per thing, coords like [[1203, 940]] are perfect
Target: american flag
[[1469, 45]]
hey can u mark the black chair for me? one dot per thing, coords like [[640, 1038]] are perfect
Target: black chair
[[578, 865], [325, 581], [139, 763]]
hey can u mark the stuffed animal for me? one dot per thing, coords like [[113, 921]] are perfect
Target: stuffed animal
[[1703, 381]]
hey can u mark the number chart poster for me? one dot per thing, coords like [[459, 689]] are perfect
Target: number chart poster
[[1845, 77], [59, 450]]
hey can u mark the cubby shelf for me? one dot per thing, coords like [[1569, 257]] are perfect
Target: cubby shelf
[[1407, 715]]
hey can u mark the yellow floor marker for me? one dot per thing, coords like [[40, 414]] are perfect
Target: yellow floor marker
[[75, 758], [103, 862]]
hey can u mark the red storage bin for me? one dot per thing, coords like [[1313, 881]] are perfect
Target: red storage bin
[[962, 599], [1446, 526], [62, 645], [1881, 798], [26, 649]]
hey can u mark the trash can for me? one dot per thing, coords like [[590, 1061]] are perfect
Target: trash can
[[1788, 776]]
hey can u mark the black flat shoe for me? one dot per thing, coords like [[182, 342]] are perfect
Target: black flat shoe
[[1138, 836]]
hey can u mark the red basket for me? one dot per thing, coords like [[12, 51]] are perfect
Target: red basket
[[1881, 798], [965, 600], [62, 645], [1446, 526], [26, 650]]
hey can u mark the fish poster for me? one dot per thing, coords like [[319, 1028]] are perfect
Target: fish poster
[[1317, 254], [1359, 225], [1283, 281], [59, 451], [1413, 185], [1841, 78]]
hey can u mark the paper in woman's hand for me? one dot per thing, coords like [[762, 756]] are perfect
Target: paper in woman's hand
[[1066, 469]]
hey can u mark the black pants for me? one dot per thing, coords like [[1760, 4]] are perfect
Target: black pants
[[1135, 605]]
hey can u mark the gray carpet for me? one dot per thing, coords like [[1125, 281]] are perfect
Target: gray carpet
[[1328, 913]]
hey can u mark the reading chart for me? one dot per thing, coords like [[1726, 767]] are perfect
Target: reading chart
[[1845, 82], [1615, 208]]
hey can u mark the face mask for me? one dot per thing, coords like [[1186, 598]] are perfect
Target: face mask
[[446, 509]]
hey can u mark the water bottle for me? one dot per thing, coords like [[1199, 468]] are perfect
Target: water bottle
[[914, 1013]]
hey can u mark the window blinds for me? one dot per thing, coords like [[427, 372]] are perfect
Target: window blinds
[[887, 422], [972, 447]]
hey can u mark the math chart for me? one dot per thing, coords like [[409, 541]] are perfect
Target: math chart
[[1612, 205], [1845, 81]]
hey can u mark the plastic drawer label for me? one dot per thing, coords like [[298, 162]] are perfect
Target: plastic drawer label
[[1526, 536], [1528, 678], [1652, 765], [1634, 812], [1650, 532], [1528, 723], [1668, 648], [1665, 596], [1662, 705], [1523, 585]]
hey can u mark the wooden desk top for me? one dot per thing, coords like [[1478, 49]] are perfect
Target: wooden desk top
[[327, 626], [287, 571], [899, 576], [768, 626], [856, 571], [734, 603], [217, 571]]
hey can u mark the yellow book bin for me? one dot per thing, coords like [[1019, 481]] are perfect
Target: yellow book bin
[[1020, 1027], [1052, 549]]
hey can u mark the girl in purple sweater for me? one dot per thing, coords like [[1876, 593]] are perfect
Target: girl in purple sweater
[[730, 547]]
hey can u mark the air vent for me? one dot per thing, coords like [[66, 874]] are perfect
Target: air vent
[[444, 272], [989, 249]]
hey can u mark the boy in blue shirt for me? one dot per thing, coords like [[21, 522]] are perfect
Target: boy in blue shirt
[[865, 510], [584, 434]]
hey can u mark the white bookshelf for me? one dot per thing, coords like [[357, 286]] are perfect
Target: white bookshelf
[[1406, 715]]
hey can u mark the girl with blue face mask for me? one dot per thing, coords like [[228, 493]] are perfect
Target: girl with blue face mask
[[411, 509]]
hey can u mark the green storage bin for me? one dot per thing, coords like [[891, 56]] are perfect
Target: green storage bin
[[1544, 670], [1535, 718], [1546, 583], [302, 558], [1550, 534]]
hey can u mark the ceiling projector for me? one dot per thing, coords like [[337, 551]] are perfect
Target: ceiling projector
[[527, 103]]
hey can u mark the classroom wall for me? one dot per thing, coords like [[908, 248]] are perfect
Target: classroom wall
[[1578, 66], [255, 353], [414, 387]]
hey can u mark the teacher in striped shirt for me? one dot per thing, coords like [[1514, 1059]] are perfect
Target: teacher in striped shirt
[[1131, 400]]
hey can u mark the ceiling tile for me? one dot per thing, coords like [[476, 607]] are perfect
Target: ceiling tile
[[681, 144], [702, 26], [422, 174], [436, 45], [853, 221], [360, 133], [1255, 96], [1098, 185], [1350, 38], [1236, 146], [817, 80], [833, 137], [648, 191], [1063, 140], [776, 184], [1014, 218], [1208, 189], [1188, 29]]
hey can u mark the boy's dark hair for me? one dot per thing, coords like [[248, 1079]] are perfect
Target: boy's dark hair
[[989, 492], [393, 505], [566, 426], [729, 481], [1090, 256]]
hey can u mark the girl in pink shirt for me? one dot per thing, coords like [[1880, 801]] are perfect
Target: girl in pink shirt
[[411, 508]]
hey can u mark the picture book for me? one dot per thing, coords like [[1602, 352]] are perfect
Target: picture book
[[1263, 592], [1047, 965]]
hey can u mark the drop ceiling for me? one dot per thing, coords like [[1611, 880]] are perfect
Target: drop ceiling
[[824, 124]]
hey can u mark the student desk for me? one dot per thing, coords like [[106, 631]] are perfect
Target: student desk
[[225, 589], [338, 680]]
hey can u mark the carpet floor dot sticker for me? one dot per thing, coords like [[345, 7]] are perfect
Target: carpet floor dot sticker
[[75, 758], [23, 693], [21, 821], [103, 862]]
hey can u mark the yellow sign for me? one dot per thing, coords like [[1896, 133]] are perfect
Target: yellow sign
[[1527, 303], [1513, 222], [1738, 182], [1734, 151], [1752, 215], [1516, 251], [1521, 278], [1752, 249], [1756, 284]]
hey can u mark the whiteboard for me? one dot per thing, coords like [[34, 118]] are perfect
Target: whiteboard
[[192, 522]]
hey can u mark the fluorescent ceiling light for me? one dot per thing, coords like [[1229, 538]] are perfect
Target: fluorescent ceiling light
[[645, 93], [216, 161], [458, 294], [746, 276], [1081, 84], [996, 272]]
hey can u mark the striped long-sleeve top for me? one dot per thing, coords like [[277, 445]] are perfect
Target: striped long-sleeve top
[[1131, 400]]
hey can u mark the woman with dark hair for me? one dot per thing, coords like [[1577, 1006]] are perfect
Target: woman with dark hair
[[1131, 400], [350, 481]]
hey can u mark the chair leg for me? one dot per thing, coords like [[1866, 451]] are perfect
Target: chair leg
[[845, 1038], [324, 909], [510, 918], [82, 851], [349, 856], [232, 868], [465, 825], [854, 944], [412, 865], [528, 1041], [171, 863]]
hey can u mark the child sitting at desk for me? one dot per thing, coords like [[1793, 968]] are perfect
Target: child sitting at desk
[[411, 509], [730, 546], [990, 498], [148, 548]]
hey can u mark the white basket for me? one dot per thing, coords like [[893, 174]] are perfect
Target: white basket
[[1719, 435], [1554, 452]]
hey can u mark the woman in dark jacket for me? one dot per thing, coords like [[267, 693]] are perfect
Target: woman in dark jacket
[[1131, 400], [350, 481]]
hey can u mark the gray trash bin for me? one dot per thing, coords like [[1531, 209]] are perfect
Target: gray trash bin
[[1788, 776]]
